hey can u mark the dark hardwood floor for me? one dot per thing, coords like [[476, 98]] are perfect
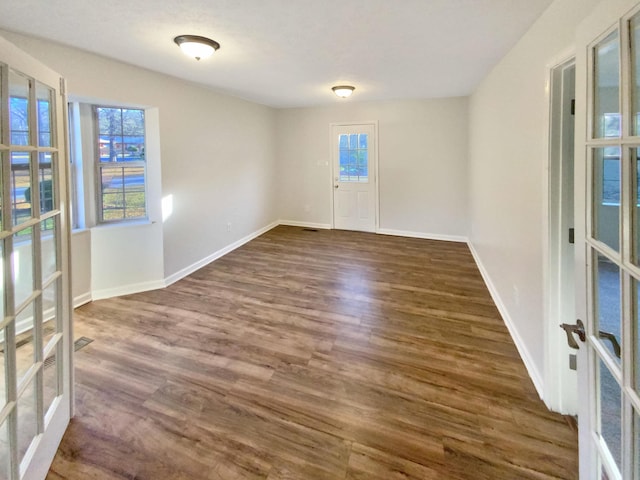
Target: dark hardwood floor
[[311, 355]]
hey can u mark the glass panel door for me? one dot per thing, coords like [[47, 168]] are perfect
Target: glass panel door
[[35, 327], [612, 244]]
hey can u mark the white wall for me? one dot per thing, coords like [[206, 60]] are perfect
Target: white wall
[[422, 163], [217, 160], [508, 153]]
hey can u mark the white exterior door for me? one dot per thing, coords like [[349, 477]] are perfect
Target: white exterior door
[[608, 246], [354, 177], [35, 315]]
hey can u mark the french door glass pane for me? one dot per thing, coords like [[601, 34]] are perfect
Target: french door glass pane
[[49, 250], [636, 441], [22, 259], [606, 196], [25, 351], [607, 298], [634, 29], [44, 98], [50, 318], [635, 162], [50, 379], [4, 451], [610, 412], [45, 180], [19, 108], [27, 423], [20, 185], [3, 371], [636, 347], [2, 107], [607, 87]]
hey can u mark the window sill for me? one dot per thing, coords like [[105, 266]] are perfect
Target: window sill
[[125, 224]]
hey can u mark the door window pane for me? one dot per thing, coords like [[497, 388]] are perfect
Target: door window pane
[[44, 97], [606, 196], [354, 157], [635, 70], [3, 366], [19, 108], [22, 259], [610, 412], [607, 87], [635, 163], [636, 445], [20, 186], [49, 251], [45, 182], [607, 304], [27, 422], [636, 329], [51, 386], [4, 452], [25, 351], [51, 322]]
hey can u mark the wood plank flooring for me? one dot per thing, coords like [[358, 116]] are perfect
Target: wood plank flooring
[[311, 355]]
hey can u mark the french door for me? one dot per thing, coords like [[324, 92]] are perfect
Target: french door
[[35, 325], [608, 260], [354, 177]]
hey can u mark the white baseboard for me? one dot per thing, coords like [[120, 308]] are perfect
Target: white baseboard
[[127, 289], [180, 274], [295, 223], [534, 374], [81, 299], [426, 236]]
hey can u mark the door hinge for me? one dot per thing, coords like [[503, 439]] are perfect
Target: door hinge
[[63, 86], [573, 106], [572, 235]]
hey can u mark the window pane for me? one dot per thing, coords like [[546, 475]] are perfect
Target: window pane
[[636, 349], [27, 424], [3, 373], [353, 141], [343, 141], [45, 180], [49, 250], [4, 452], [44, 96], [635, 69], [636, 448], [610, 412], [1, 121], [606, 196], [607, 307], [51, 386], [22, 265], [50, 318], [109, 121], [123, 192], [20, 187], [363, 140], [111, 148], [635, 218], [25, 351], [607, 87], [18, 108], [133, 122]]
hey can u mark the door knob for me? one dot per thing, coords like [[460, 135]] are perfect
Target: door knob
[[336, 186], [578, 329]]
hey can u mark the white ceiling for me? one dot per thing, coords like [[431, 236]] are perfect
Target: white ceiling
[[288, 53]]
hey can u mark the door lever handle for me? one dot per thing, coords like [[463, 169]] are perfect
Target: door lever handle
[[614, 341], [578, 329]]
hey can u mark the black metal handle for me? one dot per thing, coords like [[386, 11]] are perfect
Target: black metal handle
[[578, 329], [614, 341]]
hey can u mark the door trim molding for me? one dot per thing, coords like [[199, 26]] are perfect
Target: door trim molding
[[376, 189]]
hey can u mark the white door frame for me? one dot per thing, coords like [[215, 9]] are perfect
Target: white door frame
[[560, 383], [372, 162]]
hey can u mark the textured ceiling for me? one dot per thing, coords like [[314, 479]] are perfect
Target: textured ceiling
[[288, 53]]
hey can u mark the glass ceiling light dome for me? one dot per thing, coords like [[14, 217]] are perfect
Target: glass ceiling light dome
[[195, 46], [343, 91]]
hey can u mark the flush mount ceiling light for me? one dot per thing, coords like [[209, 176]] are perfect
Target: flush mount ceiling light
[[195, 46], [343, 91]]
